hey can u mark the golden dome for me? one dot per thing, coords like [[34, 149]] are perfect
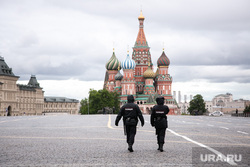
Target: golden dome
[[149, 73], [141, 17]]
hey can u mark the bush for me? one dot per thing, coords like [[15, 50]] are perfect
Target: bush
[[247, 109]]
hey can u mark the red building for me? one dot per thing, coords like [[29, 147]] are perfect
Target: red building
[[138, 77]]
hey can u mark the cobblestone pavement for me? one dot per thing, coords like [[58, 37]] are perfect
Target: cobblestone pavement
[[94, 140]]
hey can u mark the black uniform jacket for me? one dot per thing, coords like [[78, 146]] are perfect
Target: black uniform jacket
[[129, 110], [158, 111]]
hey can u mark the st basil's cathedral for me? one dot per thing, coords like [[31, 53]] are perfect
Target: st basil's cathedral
[[138, 77]]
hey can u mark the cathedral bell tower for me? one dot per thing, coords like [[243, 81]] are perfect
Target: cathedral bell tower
[[141, 55]]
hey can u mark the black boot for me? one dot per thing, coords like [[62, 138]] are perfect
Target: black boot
[[158, 147], [161, 147], [130, 148]]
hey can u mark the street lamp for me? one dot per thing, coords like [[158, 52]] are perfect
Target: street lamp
[[88, 106], [88, 103]]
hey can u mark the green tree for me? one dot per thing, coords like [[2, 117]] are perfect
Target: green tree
[[84, 106], [197, 105], [247, 109], [100, 99]]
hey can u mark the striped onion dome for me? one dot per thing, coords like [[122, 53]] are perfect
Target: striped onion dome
[[118, 76], [163, 60], [128, 63], [113, 63], [149, 73]]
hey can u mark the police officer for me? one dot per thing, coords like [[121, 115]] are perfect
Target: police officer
[[130, 113], [159, 121]]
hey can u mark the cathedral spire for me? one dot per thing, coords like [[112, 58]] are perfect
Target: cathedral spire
[[141, 17], [141, 38]]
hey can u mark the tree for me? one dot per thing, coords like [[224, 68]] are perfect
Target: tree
[[84, 106], [100, 99], [247, 109], [197, 105]]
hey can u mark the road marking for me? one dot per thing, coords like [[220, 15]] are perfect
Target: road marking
[[10, 120], [243, 132], [65, 138], [109, 123], [83, 138], [230, 161], [224, 128], [209, 125], [21, 119]]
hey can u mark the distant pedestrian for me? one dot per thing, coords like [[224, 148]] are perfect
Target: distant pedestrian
[[130, 113], [236, 112], [104, 111], [159, 121]]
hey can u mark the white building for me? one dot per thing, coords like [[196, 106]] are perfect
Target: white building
[[209, 106], [221, 99], [183, 107], [226, 104]]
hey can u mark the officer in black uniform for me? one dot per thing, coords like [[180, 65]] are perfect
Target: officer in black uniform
[[130, 113], [159, 121]]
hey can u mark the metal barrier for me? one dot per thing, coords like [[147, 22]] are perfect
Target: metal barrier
[[241, 115]]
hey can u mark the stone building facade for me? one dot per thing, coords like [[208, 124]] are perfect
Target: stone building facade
[[18, 100], [60, 105], [222, 99], [226, 104]]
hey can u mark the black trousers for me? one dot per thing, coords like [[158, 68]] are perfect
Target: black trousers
[[131, 131], [161, 135]]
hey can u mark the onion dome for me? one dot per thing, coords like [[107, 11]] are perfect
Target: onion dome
[[149, 73], [163, 60], [118, 76], [128, 63], [113, 63]]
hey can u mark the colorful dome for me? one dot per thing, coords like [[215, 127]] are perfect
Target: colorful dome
[[149, 73], [128, 63], [118, 76], [163, 60], [113, 63]]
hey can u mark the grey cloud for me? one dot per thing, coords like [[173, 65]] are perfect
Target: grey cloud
[[217, 74], [61, 40], [202, 15]]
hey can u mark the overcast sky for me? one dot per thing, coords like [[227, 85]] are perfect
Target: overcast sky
[[66, 44]]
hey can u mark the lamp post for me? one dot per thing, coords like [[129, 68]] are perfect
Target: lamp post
[[88, 106]]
